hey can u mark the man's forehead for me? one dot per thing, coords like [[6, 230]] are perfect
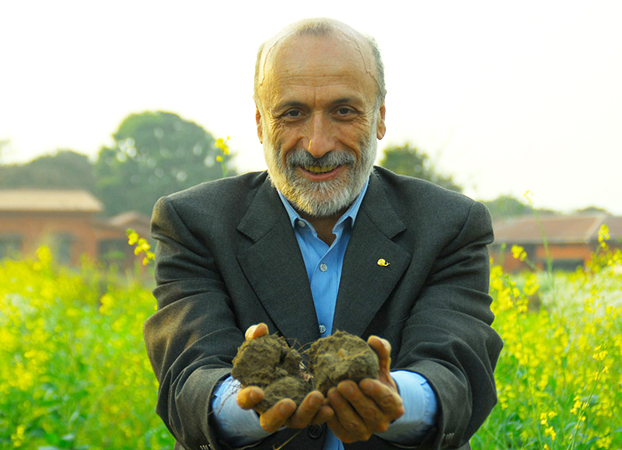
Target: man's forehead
[[290, 43]]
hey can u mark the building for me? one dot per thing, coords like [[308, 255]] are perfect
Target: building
[[69, 222], [571, 240]]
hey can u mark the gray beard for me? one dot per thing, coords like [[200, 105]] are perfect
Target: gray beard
[[320, 198]]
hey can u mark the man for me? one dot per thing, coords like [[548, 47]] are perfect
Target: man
[[323, 242]]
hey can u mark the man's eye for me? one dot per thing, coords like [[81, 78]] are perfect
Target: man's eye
[[344, 111], [292, 114]]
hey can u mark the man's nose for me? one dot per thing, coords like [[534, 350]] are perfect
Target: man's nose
[[320, 133]]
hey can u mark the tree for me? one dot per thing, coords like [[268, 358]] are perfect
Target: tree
[[407, 160], [65, 169], [507, 206], [3, 143], [154, 154], [592, 210]]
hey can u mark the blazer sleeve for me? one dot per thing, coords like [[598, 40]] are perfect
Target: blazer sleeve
[[448, 337], [192, 337]]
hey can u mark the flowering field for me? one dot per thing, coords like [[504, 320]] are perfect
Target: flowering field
[[73, 367], [559, 378], [74, 372]]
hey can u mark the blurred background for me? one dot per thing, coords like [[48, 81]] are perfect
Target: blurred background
[[125, 99], [107, 105]]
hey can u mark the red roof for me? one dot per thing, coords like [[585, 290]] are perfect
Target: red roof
[[48, 200], [557, 229]]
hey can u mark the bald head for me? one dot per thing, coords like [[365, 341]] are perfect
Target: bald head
[[329, 28]]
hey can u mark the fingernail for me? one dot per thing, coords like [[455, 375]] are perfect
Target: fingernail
[[315, 401], [347, 389], [284, 408]]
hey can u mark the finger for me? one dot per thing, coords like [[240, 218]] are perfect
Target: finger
[[384, 397], [382, 347], [255, 331], [364, 406], [275, 417], [325, 414], [307, 410], [338, 430], [248, 397], [348, 418]]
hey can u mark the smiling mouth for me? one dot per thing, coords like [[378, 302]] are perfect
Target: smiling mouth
[[320, 170]]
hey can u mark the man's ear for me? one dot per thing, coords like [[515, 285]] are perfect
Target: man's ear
[[381, 128], [258, 121]]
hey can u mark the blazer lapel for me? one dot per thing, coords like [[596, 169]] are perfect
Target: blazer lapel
[[274, 267], [373, 263]]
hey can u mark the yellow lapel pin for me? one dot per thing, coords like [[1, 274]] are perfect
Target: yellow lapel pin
[[383, 262]]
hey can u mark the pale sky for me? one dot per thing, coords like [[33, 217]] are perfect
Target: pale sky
[[505, 96]]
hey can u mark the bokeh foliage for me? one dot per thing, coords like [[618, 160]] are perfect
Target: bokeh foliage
[[411, 161], [74, 373], [73, 367], [154, 154], [559, 378]]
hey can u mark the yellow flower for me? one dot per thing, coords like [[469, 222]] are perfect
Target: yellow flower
[[45, 255], [222, 145], [132, 236], [603, 233], [599, 355], [18, 437], [550, 431], [519, 252], [107, 303]]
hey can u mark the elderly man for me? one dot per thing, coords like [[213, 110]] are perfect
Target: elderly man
[[322, 242]]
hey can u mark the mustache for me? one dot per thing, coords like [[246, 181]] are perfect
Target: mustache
[[301, 157]]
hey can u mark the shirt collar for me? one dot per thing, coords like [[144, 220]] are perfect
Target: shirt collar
[[351, 213]]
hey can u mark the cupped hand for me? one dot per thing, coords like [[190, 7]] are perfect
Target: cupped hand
[[313, 410], [367, 407]]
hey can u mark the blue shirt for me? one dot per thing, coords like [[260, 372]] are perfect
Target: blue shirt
[[324, 264]]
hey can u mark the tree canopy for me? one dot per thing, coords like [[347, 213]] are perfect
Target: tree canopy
[[154, 154], [65, 169], [408, 160], [507, 206], [592, 210], [3, 144]]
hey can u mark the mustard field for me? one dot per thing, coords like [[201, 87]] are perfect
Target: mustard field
[[74, 373]]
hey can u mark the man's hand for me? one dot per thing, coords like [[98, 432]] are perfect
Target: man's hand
[[312, 410], [369, 407]]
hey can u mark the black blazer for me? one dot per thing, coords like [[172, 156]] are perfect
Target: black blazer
[[227, 258]]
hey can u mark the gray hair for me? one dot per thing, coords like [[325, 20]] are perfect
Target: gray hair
[[326, 27]]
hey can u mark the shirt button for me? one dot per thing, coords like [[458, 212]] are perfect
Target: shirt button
[[322, 329], [315, 431], [323, 267], [301, 224]]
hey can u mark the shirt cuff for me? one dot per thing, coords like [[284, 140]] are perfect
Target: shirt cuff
[[420, 407], [236, 426]]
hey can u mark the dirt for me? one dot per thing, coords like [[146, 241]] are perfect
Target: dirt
[[268, 362], [341, 356]]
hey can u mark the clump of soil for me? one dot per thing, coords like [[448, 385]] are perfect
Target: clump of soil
[[341, 356], [269, 363]]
